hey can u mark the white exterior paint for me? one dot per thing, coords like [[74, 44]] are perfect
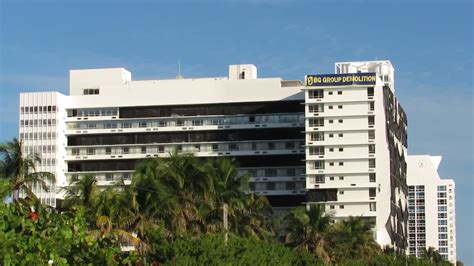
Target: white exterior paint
[[427, 208], [345, 111], [114, 88]]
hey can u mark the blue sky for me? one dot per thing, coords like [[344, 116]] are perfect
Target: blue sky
[[429, 42]]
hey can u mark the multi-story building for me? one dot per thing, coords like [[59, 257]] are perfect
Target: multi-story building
[[356, 142], [108, 122], [340, 140], [431, 208]]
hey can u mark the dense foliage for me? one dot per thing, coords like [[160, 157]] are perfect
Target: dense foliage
[[35, 237], [173, 213]]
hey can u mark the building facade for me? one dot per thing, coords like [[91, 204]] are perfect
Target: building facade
[[356, 141], [340, 140], [108, 122], [431, 208]]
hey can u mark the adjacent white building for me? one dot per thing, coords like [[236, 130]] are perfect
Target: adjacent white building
[[431, 208], [109, 121], [356, 139]]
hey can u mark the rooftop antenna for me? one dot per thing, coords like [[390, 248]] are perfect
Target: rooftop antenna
[[179, 70]]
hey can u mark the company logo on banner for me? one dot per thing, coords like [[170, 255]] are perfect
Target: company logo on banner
[[341, 79]]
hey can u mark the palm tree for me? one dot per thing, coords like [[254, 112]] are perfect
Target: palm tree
[[306, 229], [253, 218], [433, 255], [228, 188], [81, 192], [21, 169], [352, 238], [169, 189]]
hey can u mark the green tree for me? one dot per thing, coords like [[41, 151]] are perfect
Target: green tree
[[20, 169], [209, 249], [433, 255], [62, 238], [306, 229], [351, 239]]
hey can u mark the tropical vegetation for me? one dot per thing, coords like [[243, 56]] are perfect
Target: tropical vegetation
[[173, 213]]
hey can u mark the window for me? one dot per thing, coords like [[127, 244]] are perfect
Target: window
[[341, 192], [318, 108], [341, 206], [341, 149], [371, 106], [291, 172], [179, 123], [443, 215], [289, 145], [371, 120], [341, 121], [330, 107], [233, 146], [341, 135], [316, 150], [126, 150], [330, 93], [315, 94], [331, 149], [442, 222], [371, 163], [290, 185], [319, 165], [108, 150], [372, 206], [271, 145], [109, 176], [75, 151], [161, 149], [142, 124], [441, 188], [215, 147], [331, 135], [370, 91], [316, 122], [270, 172], [339, 106], [442, 208], [331, 164], [331, 207], [143, 149], [90, 151], [372, 177], [442, 229], [252, 119], [330, 121], [371, 148], [197, 123], [179, 148], [341, 163], [90, 91], [339, 92], [317, 136], [331, 178], [372, 192], [341, 178], [442, 202], [319, 179]]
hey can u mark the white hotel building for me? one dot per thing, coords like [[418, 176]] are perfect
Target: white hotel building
[[431, 208], [108, 122], [339, 143], [356, 140]]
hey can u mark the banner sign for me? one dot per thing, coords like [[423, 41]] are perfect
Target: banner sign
[[341, 79]]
